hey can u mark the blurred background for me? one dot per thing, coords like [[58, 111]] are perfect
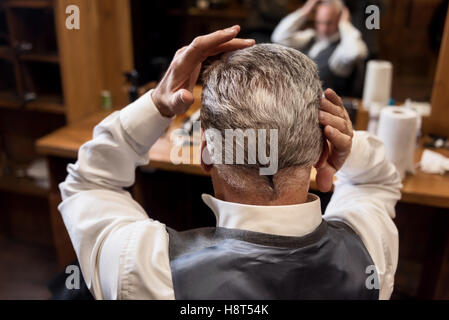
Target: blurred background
[[57, 83]]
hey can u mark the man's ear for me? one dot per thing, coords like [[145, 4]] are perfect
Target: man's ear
[[324, 155], [324, 171], [205, 156]]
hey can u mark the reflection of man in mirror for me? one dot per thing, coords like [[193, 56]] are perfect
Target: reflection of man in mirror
[[334, 43]]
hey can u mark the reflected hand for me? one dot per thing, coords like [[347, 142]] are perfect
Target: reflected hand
[[345, 15], [310, 4]]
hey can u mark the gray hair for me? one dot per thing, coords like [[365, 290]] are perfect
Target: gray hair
[[337, 4], [266, 86]]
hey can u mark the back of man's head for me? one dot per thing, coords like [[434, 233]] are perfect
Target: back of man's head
[[268, 87]]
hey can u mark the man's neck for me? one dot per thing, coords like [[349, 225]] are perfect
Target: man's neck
[[290, 187]]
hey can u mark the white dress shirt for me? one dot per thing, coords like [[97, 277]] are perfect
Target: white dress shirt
[[123, 253], [351, 48]]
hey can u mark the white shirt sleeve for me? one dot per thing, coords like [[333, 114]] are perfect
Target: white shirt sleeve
[[351, 49], [365, 195], [122, 252], [287, 31]]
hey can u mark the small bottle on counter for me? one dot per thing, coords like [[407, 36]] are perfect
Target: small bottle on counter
[[106, 100]]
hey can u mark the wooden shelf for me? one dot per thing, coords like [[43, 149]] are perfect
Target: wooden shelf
[[4, 35], [25, 186], [30, 4], [6, 52], [9, 100], [40, 57], [47, 103]]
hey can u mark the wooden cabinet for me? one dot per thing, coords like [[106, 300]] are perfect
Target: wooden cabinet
[[51, 76], [405, 40], [53, 69], [439, 119]]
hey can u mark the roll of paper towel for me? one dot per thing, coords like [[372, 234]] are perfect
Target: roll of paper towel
[[378, 80], [398, 128]]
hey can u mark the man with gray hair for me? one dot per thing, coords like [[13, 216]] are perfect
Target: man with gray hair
[[271, 240], [334, 44]]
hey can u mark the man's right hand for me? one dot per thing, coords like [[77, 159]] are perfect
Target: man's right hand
[[174, 93], [310, 5]]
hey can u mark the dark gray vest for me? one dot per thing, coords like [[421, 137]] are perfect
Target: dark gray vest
[[329, 79], [220, 263]]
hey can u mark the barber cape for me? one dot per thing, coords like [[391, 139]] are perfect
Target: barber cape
[[222, 263]]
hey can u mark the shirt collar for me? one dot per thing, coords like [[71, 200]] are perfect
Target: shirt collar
[[291, 220], [331, 39]]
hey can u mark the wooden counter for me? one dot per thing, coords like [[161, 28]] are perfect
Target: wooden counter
[[421, 188]]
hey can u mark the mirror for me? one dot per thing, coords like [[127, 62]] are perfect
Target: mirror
[[409, 33]]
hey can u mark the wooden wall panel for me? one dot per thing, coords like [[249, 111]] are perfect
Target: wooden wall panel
[[94, 57], [404, 40], [116, 50], [439, 119]]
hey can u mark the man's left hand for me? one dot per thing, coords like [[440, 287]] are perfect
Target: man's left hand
[[345, 15], [338, 143]]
